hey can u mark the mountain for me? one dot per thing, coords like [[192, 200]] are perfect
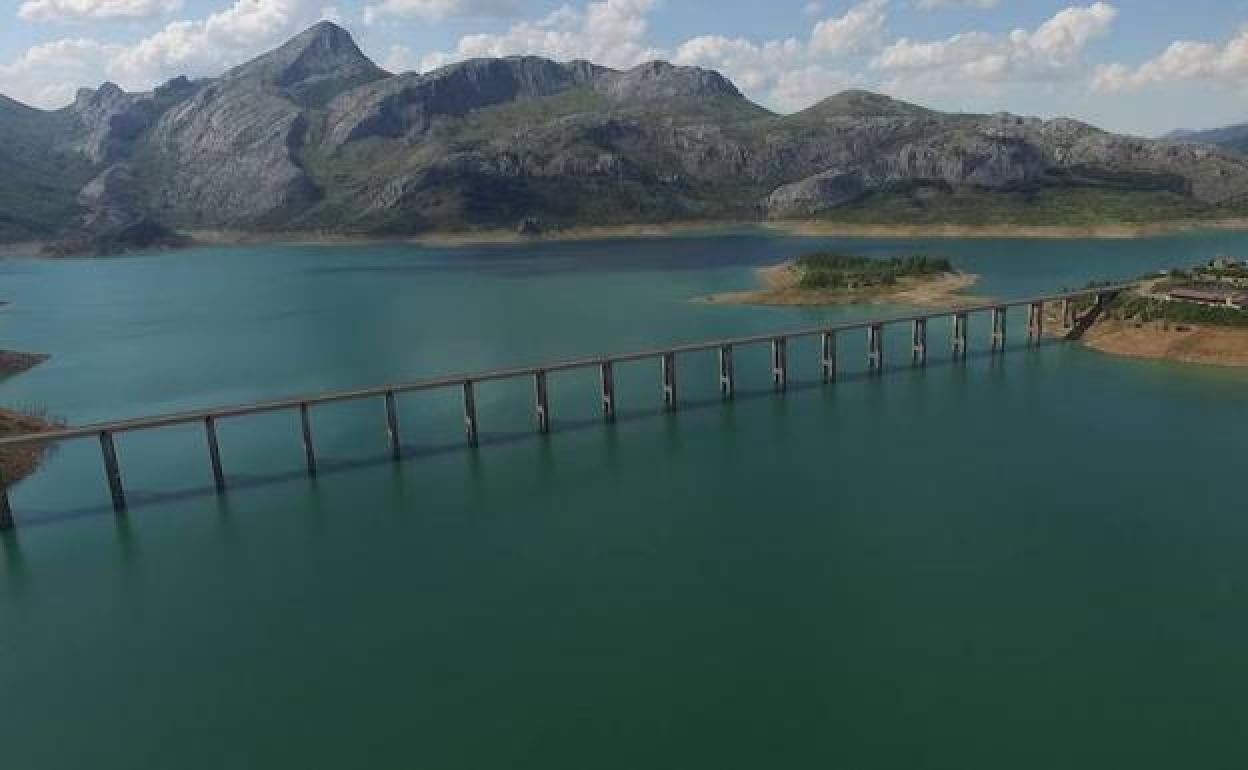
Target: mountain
[[1231, 137], [314, 137]]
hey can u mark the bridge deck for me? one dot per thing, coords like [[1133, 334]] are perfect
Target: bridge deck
[[459, 380]]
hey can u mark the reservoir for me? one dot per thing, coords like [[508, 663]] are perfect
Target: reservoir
[[1027, 561]]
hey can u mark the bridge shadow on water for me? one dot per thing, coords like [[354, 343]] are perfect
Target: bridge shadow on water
[[138, 499]]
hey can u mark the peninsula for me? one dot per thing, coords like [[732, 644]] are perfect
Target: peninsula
[[1197, 315]]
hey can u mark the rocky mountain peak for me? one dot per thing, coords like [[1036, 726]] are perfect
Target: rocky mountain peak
[[857, 103], [324, 54], [662, 81]]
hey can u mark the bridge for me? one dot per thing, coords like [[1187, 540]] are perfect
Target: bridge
[[105, 433]]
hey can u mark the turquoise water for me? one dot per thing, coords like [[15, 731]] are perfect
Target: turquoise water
[[1033, 561]]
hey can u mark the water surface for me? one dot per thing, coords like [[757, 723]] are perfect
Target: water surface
[[1030, 562]]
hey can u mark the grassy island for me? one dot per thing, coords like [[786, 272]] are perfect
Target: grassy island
[[826, 278]]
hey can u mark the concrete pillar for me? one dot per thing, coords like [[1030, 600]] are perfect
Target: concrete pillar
[[780, 363], [828, 355], [392, 426], [875, 348], [112, 472], [543, 402], [959, 335], [669, 381], [727, 372], [1035, 322], [6, 511], [1068, 314], [998, 328], [309, 448], [214, 453], [918, 335], [470, 413], [608, 391]]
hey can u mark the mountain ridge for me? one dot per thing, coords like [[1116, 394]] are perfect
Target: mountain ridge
[[314, 136]]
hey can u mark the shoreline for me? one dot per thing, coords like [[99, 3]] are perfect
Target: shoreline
[[12, 362], [1031, 232], [779, 289], [800, 228], [18, 464], [1206, 345], [803, 228]]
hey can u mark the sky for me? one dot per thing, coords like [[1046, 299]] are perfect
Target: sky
[[1136, 66]]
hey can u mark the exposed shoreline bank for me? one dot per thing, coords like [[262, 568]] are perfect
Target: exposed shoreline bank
[[17, 464], [804, 228], [12, 362], [1159, 341]]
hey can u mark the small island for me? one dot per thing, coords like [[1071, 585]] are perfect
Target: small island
[[1197, 315], [825, 278]]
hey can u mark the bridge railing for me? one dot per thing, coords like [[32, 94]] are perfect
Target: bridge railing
[[106, 431]]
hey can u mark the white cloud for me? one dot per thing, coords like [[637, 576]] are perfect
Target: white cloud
[[610, 32], [94, 10], [858, 30], [931, 5], [1184, 60], [792, 73], [438, 9], [1052, 52], [48, 74]]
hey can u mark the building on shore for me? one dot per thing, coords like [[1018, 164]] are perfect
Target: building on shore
[[1210, 296]]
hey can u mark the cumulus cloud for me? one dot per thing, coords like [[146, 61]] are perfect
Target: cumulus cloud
[[94, 10], [1183, 60], [438, 9], [858, 30], [932, 5], [48, 74], [792, 73], [1053, 51], [610, 32]]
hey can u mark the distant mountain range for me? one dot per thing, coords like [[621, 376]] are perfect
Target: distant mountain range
[[314, 137], [1231, 137]]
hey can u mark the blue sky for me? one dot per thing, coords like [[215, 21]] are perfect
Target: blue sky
[[1143, 66]]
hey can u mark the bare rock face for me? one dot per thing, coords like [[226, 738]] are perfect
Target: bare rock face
[[660, 81], [228, 158]]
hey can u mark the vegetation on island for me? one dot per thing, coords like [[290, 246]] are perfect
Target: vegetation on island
[[825, 270]]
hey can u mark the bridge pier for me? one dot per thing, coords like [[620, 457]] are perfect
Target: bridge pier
[[780, 363], [669, 381], [918, 342], [112, 471], [214, 453], [959, 335], [608, 391], [6, 511], [1068, 315], [470, 413], [875, 348], [309, 449], [543, 402], [998, 329], [828, 351], [1035, 322], [392, 426], [727, 372]]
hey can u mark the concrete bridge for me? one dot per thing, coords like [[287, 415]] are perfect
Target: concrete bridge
[[105, 433]]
